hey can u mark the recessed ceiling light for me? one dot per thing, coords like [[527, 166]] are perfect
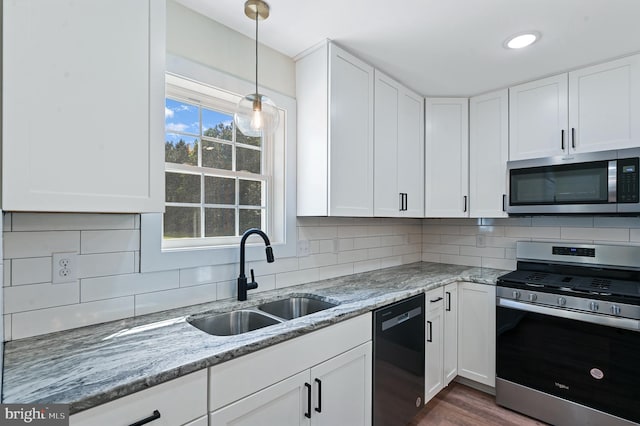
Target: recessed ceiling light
[[521, 40]]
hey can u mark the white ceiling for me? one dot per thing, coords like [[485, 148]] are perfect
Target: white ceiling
[[447, 47]]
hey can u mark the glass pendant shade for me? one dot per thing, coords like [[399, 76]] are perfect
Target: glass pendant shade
[[256, 115]]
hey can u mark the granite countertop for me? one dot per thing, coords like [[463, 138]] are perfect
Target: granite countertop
[[93, 365]]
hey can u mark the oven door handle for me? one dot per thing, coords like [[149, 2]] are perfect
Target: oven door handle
[[626, 323]]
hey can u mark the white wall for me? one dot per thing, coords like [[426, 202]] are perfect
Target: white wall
[[491, 243], [110, 287], [210, 43]]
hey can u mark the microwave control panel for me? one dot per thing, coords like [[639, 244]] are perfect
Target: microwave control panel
[[627, 188]]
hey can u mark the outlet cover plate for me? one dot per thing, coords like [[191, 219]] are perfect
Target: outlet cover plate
[[65, 267]]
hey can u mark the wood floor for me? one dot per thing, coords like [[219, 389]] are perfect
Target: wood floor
[[460, 405]]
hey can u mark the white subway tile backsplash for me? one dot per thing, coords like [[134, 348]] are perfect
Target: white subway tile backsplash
[[39, 244], [39, 296], [567, 221], [533, 232], [590, 234], [441, 248], [366, 265], [6, 273], [109, 241], [461, 260], [127, 285], [32, 270], [380, 252], [345, 244], [394, 240], [431, 257], [489, 230], [366, 242], [161, 300], [633, 236], [33, 323], [287, 279], [616, 222], [317, 232], [504, 242], [6, 221], [229, 289], [317, 260], [507, 264], [354, 255], [103, 264], [482, 251], [326, 246], [388, 262], [353, 231], [507, 221], [411, 258], [407, 249], [335, 271], [71, 222], [442, 230], [7, 327]]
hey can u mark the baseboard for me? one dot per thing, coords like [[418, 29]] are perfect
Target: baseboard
[[475, 385]]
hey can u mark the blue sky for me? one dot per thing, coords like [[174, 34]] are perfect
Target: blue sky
[[183, 117]]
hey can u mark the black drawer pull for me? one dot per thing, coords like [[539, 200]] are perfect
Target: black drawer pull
[[308, 413], [430, 339], [435, 300], [154, 416], [319, 407], [562, 139], [448, 300], [573, 137]]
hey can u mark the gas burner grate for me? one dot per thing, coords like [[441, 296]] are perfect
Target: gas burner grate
[[600, 283], [536, 277]]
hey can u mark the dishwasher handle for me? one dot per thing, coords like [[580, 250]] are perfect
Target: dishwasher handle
[[399, 319]]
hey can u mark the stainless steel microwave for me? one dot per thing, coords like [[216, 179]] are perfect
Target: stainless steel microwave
[[598, 182]]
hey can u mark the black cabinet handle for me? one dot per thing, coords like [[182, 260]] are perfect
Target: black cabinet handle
[[573, 137], [319, 407], [435, 300], [406, 201], [308, 413], [401, 200], [154, 416], [504, 198], [562, 139], [465, 203], [448, 300], [430, 339]]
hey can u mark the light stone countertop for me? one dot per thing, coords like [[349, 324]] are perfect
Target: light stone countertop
[[92, 365]]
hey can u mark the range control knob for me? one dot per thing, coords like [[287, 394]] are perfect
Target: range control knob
[[615, 310], [533, 297], [516, 294], [562, 301], [593, 306]]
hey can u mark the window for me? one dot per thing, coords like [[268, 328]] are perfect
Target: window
[[217, 180], [241, 187]]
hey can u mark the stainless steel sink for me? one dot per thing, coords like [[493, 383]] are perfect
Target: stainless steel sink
[[232, 323], [294, 307]]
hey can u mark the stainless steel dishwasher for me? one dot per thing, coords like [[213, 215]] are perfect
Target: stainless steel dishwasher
[[398, 361]]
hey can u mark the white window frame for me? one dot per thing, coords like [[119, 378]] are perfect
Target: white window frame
[[153, 257], [206, 97]]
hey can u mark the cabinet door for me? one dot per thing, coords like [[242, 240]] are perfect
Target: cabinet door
[[488, 153], [386, 199], [433, 353], [350, 135], [282, 404], [82, 122], [604, 106], [447, 157], [411, 152], [538, 118], [450, 333], [342, 389], [476, 332]]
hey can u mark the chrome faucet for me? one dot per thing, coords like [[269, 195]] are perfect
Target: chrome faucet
[[243, 286]]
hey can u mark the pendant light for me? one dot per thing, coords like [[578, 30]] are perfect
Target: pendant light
[[256, 115]]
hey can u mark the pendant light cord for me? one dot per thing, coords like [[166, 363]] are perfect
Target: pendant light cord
[[257, 15]]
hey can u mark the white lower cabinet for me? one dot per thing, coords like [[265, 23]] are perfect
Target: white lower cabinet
[[441, 350], [476, 332], [177, 402], [322, 378]]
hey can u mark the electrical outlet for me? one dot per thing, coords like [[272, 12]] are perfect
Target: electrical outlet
[[65, 267], [303, 248], [481, 240]]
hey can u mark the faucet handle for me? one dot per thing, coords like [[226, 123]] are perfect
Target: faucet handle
[[253, 284]]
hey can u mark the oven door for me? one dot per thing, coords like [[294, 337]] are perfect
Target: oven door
[[591, 364]]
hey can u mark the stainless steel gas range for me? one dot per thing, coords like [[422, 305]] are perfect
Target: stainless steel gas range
[[568, 334]]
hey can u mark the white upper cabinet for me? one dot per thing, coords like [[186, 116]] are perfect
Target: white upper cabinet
[[538, 118], [83, 105], [604, 106], [592, 109], [398, 150], [335, 134], [447, 157], [488, 153]]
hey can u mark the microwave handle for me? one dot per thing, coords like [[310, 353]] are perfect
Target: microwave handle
[[562, 139], [504, 198], [611, 181]]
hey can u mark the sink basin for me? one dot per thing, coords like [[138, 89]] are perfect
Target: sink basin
[[232, 323], [295, 307]]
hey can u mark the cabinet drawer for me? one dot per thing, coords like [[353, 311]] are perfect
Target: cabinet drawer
[[434, 299], [235, 379], [179, 401]]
